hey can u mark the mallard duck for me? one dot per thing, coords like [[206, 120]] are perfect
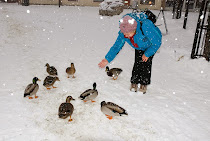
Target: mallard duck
[[51, 70], [49, 81], [71, 70], [110, 109], [114, 72], [32, 88], [89, 94], [66, 109]]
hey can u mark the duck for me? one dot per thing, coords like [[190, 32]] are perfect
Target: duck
[[49, 81], [51, 70], [89, 94], [71, 70], [110, 109], [114, 72], [32, 88], [66, 109]]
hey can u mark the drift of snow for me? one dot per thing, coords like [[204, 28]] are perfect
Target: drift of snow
[[108, 4], [175, 108]]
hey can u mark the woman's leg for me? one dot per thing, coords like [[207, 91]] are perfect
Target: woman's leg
[[141, 70]]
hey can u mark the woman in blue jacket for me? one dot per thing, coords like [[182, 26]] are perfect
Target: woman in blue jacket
[[141, 34]]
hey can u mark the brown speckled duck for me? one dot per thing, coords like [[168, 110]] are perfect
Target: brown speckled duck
[[71, 70], [32, 88], [66, 109], [110, 109], [51, 70], [49, 81], [114, 72]]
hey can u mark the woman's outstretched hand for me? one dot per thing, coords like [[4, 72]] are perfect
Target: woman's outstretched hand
[[103, 63]]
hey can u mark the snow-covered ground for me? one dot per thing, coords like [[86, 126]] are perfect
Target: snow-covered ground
[[175, 108]]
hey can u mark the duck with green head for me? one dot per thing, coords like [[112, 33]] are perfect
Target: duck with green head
[[32, 88], [89, 94], [114, 72], [110, 109]]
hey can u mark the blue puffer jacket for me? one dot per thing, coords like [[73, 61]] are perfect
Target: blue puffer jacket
[[150, 42]]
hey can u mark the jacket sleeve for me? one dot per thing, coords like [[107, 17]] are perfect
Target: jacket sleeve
[[114, 50], [154, 35]]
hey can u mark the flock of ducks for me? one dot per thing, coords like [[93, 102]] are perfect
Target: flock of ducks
[[66, 109]]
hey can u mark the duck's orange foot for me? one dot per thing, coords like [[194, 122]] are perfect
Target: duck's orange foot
[[70, 120], [36, 96], [84, 100], [109, 117], [54, 87], [48, 88], [93, 101], [115, 78], [30, 97]]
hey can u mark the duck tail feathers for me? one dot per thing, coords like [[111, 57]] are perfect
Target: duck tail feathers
[[63, 116], [82, 97], [124, 113], [26, 94]]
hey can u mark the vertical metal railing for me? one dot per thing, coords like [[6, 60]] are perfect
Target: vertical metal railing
[[186, 14], [200, 33], [206, 52]]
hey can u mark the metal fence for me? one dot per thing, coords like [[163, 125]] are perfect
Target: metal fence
[[201, 46]]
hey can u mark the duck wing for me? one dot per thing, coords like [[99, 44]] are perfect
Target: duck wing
[[85, 94], [65, 110], [116, 71], [30, 88], [49, 80], [67, 69], [115, 108], [52, 70]]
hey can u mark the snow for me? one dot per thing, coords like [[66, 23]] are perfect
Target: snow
[[176, 106]]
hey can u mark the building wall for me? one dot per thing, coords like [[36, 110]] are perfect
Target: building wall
[[157, 5], [66, 2], [43, 2]]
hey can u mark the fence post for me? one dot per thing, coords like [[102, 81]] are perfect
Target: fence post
[[193, 55], [186, 14], [206, 52]]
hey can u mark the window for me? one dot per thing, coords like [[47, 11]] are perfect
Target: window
[[169, 3], [98, 0], [147, 2]]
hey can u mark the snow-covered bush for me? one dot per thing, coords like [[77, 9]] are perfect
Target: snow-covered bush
[[111, 7]]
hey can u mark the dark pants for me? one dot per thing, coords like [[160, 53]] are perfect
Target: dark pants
[[141, 70]]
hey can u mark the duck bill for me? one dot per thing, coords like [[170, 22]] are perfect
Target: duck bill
[[39, 80]]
